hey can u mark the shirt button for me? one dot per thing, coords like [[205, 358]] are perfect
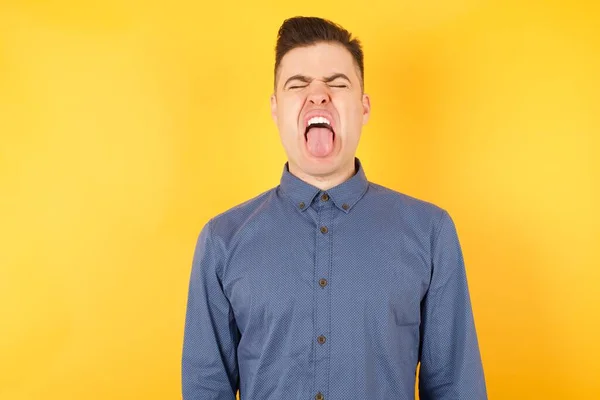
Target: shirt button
[[325, 197], [321, 339], [319, 396], [324, 229], [345, 206], [323, 282], [301, 205]]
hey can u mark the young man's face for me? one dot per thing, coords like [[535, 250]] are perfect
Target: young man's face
[[319, 109]]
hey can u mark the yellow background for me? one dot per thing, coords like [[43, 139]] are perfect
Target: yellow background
[[126, 125]]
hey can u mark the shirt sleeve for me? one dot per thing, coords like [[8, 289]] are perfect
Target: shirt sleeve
[[451, 365], [209, 359]]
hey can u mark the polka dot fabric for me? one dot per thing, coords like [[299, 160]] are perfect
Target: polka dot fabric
[[306, 294]]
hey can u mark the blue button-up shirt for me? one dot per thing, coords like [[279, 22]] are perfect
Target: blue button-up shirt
[[307, 294]]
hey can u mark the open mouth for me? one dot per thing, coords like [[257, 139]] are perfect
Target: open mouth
[[318, 122], [319, 136]]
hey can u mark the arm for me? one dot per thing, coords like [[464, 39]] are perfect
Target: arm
[[450, 361], [209, 360]]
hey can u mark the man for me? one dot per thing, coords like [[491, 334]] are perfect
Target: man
[[328, 286]]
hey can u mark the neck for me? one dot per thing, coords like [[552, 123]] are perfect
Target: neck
[[325, 182]]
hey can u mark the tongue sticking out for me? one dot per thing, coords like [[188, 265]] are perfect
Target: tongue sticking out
[[320, 142]]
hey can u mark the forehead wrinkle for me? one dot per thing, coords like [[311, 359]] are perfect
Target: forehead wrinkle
[[357, 70]]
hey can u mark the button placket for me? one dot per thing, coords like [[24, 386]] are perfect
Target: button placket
[[322, 295]]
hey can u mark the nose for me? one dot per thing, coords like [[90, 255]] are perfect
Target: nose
[[319, 96]]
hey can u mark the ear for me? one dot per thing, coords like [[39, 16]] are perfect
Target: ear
[[274, 108], [366, 103]]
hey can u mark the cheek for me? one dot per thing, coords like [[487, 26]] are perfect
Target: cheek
[[288, 111], [350, 112]]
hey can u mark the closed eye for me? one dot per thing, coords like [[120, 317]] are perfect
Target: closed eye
[[339, 86], [296, 87]]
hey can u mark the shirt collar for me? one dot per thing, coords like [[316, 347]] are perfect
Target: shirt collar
[[344, 196]]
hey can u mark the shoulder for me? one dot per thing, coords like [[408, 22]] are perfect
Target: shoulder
[[406, 206], [226, 224], [422, 220]]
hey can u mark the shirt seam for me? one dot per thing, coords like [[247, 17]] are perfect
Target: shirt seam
[[213, 247], [441, 223], [431, 289], [231, 315]]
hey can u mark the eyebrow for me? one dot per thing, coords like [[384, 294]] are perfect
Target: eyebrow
[[306, 79]]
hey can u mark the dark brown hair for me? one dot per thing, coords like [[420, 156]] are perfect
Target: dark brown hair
[[306, 31]]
